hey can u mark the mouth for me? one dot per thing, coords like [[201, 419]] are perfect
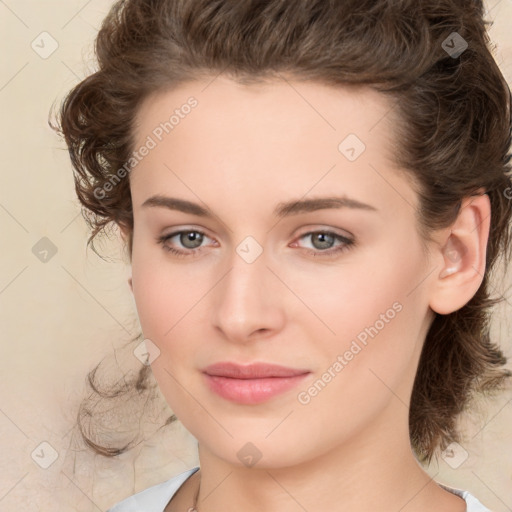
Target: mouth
[[251, 384]]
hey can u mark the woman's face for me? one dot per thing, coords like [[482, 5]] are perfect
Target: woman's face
[[265, 272]]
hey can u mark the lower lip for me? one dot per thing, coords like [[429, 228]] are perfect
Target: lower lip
[[251, 391]]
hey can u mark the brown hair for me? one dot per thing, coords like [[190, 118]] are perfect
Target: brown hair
[[453, 115]]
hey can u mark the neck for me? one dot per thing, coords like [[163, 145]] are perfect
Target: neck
[[376, 470]]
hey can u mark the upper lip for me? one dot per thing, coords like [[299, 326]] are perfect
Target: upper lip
[[252, 371]]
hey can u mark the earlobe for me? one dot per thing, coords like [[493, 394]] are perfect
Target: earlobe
[[123, 232], [462, 256]]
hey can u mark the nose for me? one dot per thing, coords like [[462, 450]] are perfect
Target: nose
[[248, 302]]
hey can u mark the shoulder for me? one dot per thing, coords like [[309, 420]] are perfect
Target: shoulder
[[155, 498], [473, 505]]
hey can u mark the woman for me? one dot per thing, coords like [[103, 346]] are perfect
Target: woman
[[312, 194]]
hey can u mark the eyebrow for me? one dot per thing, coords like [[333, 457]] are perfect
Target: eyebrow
[[283, 209]]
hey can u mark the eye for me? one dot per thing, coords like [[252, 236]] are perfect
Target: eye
[[189, 239], [323, 243]]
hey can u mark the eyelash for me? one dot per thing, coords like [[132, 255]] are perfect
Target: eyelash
[[347, 244]]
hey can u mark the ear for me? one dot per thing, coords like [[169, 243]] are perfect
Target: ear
[[461, 256], [126, 236]]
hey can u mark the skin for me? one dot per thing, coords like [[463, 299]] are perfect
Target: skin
[[243, 150]]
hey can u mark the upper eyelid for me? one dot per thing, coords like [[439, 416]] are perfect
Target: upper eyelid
[[314, 229], [172, 234]]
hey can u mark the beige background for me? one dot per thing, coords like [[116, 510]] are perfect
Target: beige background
[[60, 317]]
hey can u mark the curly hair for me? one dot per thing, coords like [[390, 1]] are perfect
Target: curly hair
[[432, 58]]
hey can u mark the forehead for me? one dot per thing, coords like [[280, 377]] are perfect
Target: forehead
[[274, 103], [287, 133]]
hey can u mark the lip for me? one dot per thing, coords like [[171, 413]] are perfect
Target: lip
[[251, 384]]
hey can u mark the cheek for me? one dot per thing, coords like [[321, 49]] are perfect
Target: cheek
[[364, 292], [374, 314], [165, 300], [371, 363], [163, 292]]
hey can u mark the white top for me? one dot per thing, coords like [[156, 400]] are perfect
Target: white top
[[156, 498]]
